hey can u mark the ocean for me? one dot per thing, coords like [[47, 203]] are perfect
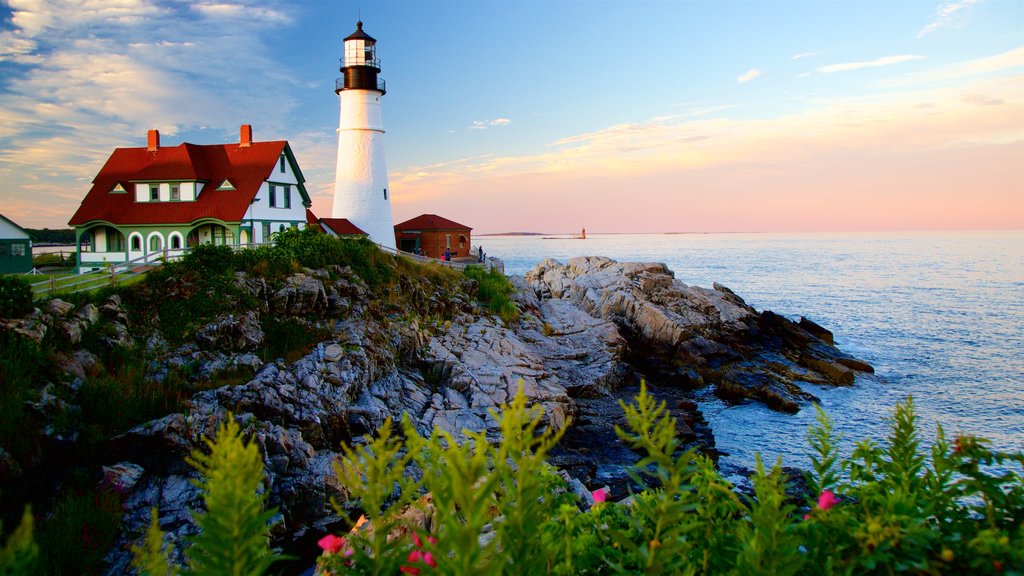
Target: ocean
[[940, 315]]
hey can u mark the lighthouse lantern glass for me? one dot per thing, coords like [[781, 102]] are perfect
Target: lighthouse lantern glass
[[359, 53]]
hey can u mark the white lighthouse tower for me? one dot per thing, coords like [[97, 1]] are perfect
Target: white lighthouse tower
[[361, 182]]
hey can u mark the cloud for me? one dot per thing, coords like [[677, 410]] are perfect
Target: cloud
[[1010, 62], [241, 11], [883, 61], [748, 76], [85, 76], [801, 55], [947, 14], [910, 122], [484, 124]]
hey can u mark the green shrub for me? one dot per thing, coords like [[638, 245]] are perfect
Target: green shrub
[[288, 338], [15, 297], [18, 555], [80, 532], [495, 290], [22, 367], [895, 512], [209, 260], [234, 528]]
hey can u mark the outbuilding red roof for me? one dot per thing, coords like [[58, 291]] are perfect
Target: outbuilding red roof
[[342, 227], [246, 167], [430, 222], [339, 226]]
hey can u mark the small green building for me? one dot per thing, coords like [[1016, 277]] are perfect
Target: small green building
[[15, 248]]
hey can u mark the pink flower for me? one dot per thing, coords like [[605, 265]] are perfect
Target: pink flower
[[827, 500], [599, 495], [333, 544], [416, 557], [419, 544], [807, 516]]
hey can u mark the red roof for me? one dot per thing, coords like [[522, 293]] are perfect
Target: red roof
[[341, 227], [430, 222], [246, 167]]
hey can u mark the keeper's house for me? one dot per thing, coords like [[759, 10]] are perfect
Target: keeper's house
[[15, 248], [151, 202]]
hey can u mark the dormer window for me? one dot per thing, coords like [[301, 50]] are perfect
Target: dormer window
[[225, 185], [175, 192], [154, 192], [118, 189]]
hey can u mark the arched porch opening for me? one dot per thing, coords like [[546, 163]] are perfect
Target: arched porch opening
[[214, 233], [101, 244]]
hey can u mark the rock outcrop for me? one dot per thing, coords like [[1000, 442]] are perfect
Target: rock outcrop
[[691, 336]]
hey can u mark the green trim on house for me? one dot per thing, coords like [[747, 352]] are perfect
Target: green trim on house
[[298, 176]]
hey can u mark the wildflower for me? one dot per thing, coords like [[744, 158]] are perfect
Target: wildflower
[[599, 495], [947, 555], [807, 516], [362, 520], [419, 544], [998, 566], [957, 448], [827, 500], [332, 544], [416, 557]]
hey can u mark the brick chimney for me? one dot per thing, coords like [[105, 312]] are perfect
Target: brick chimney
[[245, 136], [153, 141]]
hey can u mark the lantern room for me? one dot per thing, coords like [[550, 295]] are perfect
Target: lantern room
[[359, 65]]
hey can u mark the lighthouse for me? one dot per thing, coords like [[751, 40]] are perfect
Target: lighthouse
[[361, 181]]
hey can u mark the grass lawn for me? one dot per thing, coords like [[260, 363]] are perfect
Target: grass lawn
[[65, 283]]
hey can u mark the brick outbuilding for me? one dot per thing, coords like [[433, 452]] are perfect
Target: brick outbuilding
[[430, 235]]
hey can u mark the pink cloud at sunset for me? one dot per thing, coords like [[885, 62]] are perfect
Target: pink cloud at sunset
[[922, 159]]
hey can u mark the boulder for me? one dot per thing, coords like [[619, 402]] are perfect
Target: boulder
[[231, 333], [301, 295]]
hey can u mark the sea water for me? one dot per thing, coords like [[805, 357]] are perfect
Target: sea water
[[940, 315]]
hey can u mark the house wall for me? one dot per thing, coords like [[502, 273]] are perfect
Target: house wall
[[15, 249], [186, 191], [434, 242], [15, 255], [260, 212]]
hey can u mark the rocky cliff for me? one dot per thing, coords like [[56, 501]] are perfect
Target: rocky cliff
[[588, 330]]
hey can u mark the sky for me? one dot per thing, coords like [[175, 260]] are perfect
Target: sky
[[548, 116]]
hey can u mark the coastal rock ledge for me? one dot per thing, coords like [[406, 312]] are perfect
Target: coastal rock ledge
[[690, 337]]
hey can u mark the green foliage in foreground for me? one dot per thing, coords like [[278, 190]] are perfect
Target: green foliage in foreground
[[498, 508], [235, 529], [884, 510], [18, 555], [494, 290]]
